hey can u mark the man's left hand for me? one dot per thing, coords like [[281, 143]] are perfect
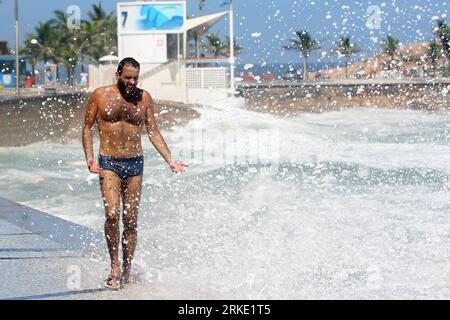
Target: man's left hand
[[178, 167]]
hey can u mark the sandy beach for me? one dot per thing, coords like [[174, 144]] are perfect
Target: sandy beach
[[293, 103], [411, 84]]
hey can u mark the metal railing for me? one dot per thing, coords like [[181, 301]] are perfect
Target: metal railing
[[196, 77], [207, 78]]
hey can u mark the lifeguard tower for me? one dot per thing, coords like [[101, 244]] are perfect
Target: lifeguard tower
[[167, 44]]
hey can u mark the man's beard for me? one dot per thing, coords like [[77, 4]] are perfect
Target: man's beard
[[124, 90]]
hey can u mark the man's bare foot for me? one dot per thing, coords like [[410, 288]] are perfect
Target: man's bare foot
[[126, 278], [114, 279], [112, 282]]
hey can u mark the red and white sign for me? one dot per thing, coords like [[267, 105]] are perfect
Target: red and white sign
[[145, 48]]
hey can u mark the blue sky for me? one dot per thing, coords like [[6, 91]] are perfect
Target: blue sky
[[262, 27]]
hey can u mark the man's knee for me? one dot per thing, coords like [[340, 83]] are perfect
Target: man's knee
[[130, 225], [112, 216], [130, 221]]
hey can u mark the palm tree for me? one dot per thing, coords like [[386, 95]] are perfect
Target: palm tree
[[443, 33], [346, 49], [43, 45], [60, 20], [214, 45], [104, 32], [69, 57], [67, 51], [87, 35], [201, 5], [111, 34], [390, 46], [97, 13], [195, 35], [219, 47], [433, 54], [305, 44], [237, 48], [53, 40], [32, 49], [40, 45]]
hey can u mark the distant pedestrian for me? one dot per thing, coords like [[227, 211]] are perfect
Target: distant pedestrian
[[47, 76], [84, 78]]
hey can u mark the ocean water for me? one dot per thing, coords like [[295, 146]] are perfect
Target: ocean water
[[340, 205]]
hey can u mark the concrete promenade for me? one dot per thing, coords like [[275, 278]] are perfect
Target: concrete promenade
[[244, 87], [45, 257], [8, 95], [342, 82]]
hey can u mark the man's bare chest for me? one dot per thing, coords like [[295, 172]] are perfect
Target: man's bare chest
[[117, 109]]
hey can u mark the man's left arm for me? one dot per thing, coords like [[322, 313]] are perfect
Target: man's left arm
[[156, 138]]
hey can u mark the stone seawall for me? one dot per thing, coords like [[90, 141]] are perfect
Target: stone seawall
[[60, 118]]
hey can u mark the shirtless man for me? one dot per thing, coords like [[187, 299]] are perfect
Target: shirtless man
[[121, 111]]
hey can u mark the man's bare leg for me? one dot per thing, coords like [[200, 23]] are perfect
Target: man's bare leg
[[131, 193], [110, 186]]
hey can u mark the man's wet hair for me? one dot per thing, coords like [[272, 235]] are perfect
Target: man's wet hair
[[129, 61]]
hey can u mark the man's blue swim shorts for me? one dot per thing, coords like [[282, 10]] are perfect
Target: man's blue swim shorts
[[124, 168]]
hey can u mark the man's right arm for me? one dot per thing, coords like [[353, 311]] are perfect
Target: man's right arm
[[89, 120]]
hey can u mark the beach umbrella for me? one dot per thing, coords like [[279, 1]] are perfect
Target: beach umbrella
[[109, 58]]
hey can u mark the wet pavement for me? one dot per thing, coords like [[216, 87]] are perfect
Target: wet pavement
[[45, 257]]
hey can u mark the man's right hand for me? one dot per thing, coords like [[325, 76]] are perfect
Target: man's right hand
[[93, 166]]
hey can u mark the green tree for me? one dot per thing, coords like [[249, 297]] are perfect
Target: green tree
[[55, 41], [201, 6], [195, 35], [214, 44], [305, 44], [87, 34], [390, 46], [31, 49], [346, 49], [68, 40], [69, 57], [40, 45], [102, 32], [237, 48], [442, 31], [433, 53], [220, 48]]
